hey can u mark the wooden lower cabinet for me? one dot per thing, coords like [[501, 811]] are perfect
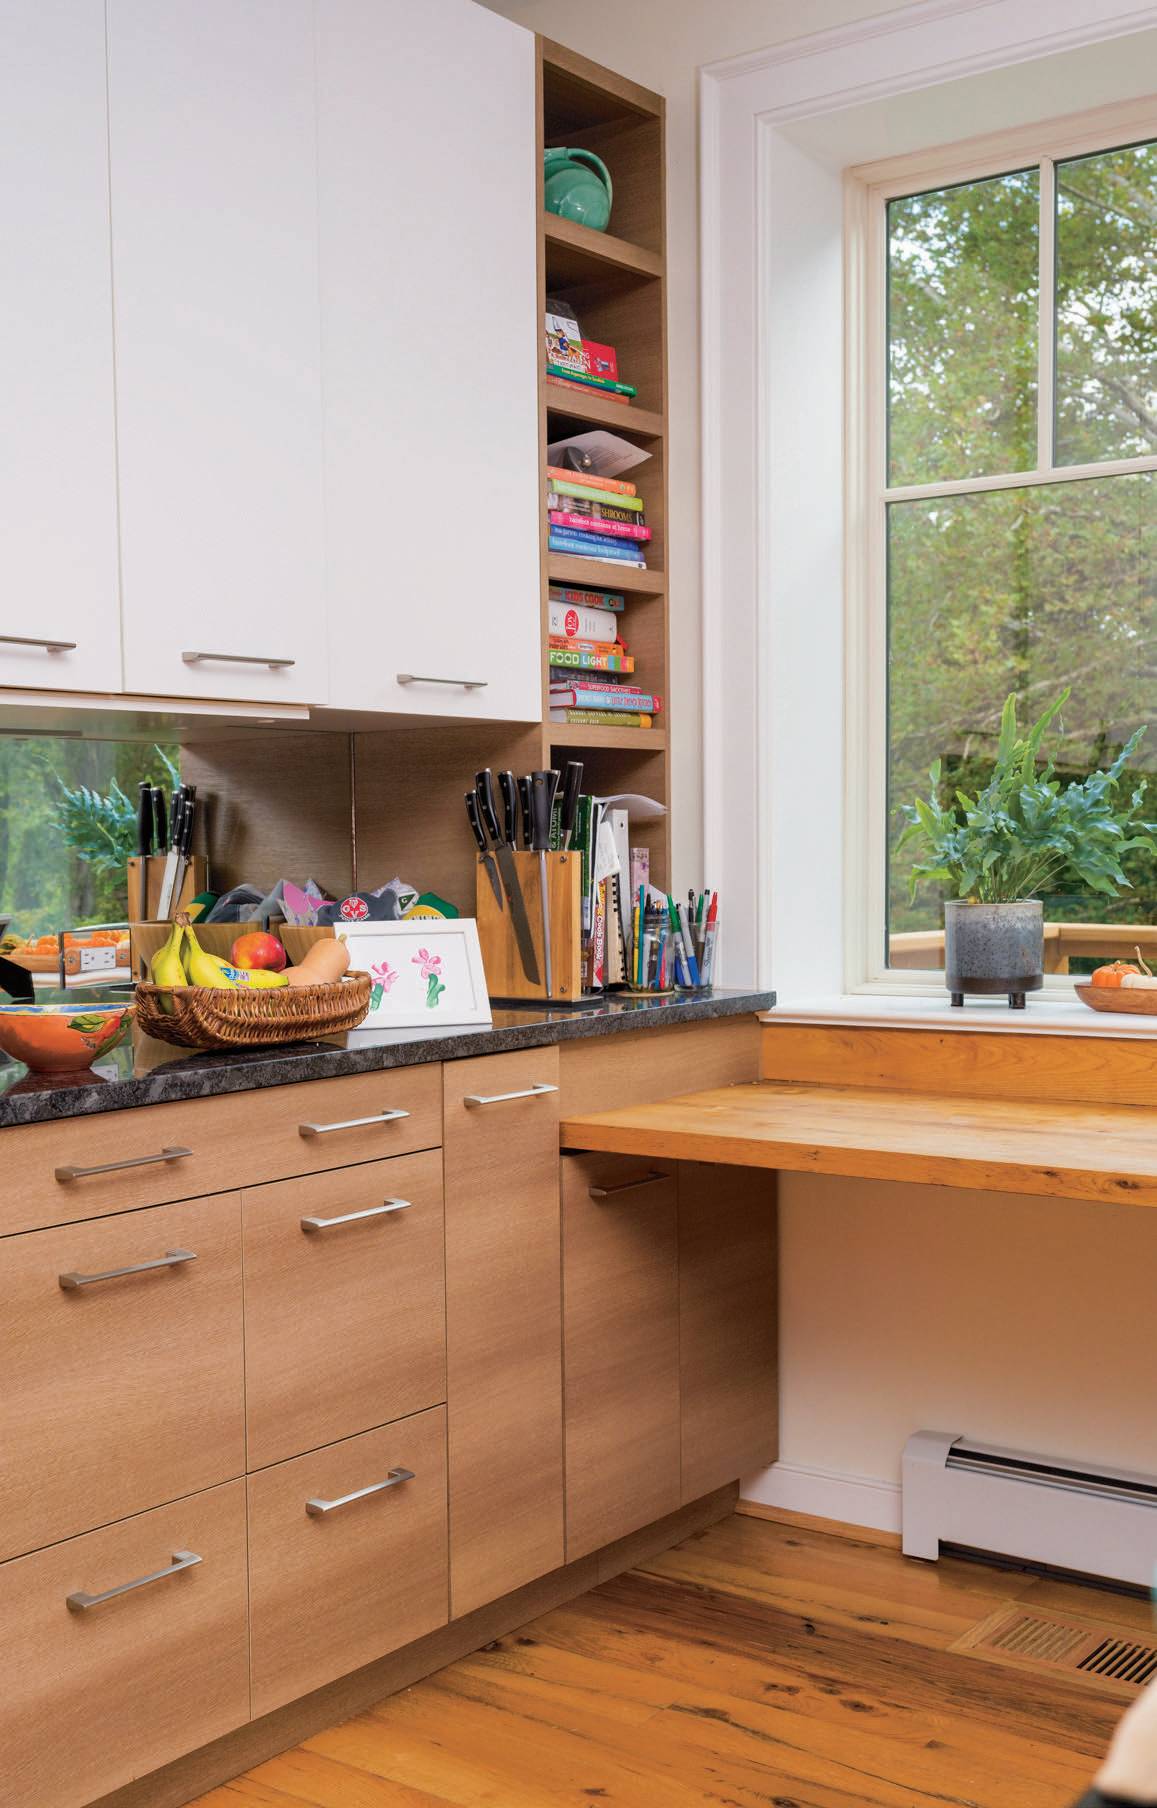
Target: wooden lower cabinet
[[620, 1346], [122, 1380], [345, 1303], [93, 1696], [342, 1569], [727, 1324], [503, 1323]]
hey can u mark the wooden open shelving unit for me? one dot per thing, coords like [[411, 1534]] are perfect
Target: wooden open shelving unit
[[617, 282]]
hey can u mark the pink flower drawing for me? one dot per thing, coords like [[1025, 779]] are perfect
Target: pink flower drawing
[[383, 977], [430, 967]]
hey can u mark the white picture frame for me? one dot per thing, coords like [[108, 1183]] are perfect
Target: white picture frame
[[427, 972]]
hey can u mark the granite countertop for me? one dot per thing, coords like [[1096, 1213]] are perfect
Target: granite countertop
[[151, 1073]]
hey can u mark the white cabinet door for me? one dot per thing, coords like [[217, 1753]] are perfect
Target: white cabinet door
[[430, 356], [58, 540], [214, 230]]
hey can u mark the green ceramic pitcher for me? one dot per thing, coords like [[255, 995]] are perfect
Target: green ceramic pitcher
[[577, 185]]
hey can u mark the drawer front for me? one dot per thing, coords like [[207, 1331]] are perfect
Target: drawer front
[[335, 1582], [628, 1069], [163, 1152], [503, 1324], [620, 1346], [96, 1695], [345, 1303], [121, 1389]]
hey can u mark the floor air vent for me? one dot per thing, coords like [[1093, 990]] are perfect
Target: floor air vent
[[1107, 1658]]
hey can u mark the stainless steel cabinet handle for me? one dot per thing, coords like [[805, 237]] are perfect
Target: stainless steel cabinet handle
[[80, 1602], [316, 1508], [472, 1100], [628, 1186], [375, 1211], [352, 1123], [114, 1167], [238, 659], [172, 1258], [48, 646], [465, 684]]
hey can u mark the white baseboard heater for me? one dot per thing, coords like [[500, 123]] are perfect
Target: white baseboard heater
[[1037, 1509]]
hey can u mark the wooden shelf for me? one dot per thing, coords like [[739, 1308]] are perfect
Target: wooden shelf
[[596, 734], [604, 574], [577, 254], [599, 411]]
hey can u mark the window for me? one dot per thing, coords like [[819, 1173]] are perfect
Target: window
[[1009, 476]]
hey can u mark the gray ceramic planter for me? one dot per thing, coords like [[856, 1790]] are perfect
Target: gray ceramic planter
[[994, 948]]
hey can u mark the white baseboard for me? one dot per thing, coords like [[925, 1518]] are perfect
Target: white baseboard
[[861, 1500]]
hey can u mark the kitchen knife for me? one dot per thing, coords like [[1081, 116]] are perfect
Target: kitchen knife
[[160, 822], [543, 787], [572, 785], [509, 792], [524, 795], [169, 880], [184, 843], [504, 854], [144, 847], [474, 817]]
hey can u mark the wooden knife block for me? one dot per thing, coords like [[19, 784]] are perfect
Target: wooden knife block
[[500, 957], [196, 880]]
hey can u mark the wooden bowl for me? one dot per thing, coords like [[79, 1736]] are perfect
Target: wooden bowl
[[1127, 1001]]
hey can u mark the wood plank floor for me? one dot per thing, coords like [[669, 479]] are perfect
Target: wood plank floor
[[757, 1665]]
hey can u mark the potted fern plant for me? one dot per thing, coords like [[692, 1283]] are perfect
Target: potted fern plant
[[1023, 834]]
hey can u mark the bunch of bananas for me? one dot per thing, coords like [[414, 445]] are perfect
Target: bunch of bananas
[[183, 962]]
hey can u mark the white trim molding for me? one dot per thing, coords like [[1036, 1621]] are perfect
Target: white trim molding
[[773, 426], [860, 1500]]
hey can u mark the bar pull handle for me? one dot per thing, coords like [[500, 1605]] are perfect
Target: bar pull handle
[[375, 1211], [473, 1100], [318, 1508], [465, 684], [172, 1258], [47, 646], [114, 1167], [81, 1602], [351, 1123], [238, 659], [627, 1186]]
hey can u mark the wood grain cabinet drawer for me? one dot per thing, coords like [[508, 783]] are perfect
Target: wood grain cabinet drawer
[[95, 1691], [88, 1167], [122, 1367], [345, 1303], [347, 1556]]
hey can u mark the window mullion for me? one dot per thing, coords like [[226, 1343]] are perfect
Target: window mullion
[[1046, 319]]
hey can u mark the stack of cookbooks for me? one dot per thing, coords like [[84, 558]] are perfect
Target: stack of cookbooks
[[576, 362], [596, 518], [590, 666]]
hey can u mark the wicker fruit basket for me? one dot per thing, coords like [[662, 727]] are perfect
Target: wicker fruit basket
[[208, 1017]]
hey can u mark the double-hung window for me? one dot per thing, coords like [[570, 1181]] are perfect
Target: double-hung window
[[1003, 499]]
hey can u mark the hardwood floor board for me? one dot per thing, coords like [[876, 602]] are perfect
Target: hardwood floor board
[[757, 1665]]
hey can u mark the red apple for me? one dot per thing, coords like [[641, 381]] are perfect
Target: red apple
[[258, 950]]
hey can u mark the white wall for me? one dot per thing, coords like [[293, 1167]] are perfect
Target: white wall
[[1018, 1321]]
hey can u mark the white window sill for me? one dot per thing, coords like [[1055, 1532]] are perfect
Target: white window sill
[[1042, 1016]]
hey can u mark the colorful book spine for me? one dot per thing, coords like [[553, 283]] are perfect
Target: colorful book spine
[[576, 643], [569, 383], [588, 660], [574, 621], [579, 546], [569, 353], [609, 384], [602, 696], [581, 598], [616, 486], [610, 530], [590, 513], [586, 492], [601, 718]]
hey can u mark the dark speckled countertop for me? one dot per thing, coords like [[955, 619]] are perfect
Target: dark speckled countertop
[[150, 1073]]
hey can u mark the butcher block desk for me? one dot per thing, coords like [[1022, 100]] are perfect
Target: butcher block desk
[[946, 1108]]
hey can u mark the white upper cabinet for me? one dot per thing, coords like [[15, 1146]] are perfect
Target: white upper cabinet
[[58, 528], [430, 342], [214, 239]]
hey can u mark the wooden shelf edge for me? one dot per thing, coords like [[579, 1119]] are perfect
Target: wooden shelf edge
[[600, 248], [594, 734], [601, 412], [604, 574], [638, 99]]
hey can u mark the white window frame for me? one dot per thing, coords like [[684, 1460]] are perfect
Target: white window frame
[[868, 189]]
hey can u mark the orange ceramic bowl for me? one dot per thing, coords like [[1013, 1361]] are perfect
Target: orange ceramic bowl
[[61, 1038]]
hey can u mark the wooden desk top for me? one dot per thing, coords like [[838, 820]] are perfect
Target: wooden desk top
[[1074, 1150]]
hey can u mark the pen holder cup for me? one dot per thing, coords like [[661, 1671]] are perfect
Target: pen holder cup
[[505, 975]]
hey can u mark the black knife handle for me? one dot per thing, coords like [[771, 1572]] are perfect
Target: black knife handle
[[475, 820], [484, 785], [524, 794], [543, 786], [185, 846], [160, 822], [145, 819], [509, 792], [572, 785], [176, 817]]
